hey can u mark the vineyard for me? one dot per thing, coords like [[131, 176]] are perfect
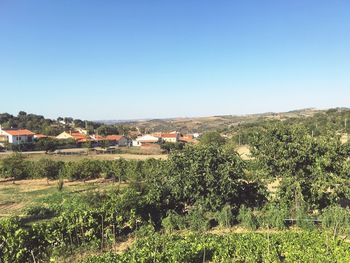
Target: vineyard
[[171, 209], [252, 247]]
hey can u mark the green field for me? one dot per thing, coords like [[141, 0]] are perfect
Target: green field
[[16, 198]]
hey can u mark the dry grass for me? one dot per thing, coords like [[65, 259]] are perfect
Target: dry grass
[[244, 151], [16, 198], [344, 138]]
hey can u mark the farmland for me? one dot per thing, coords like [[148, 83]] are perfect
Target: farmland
[[279, 198]]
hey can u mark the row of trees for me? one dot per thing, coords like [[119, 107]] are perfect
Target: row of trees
[[40, 124], [321, 123]]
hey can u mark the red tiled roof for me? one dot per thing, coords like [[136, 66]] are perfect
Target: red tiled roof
[[114, 137], [20, 132], [79, 136], [168, 135], [187, 138]]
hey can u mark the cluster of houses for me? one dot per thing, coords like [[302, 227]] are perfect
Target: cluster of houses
[[18, 136], [159, 137]]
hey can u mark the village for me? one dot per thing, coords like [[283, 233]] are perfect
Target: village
[[14, 138]]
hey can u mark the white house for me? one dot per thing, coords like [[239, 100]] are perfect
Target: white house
[[16, 136], [146, 139], [170, 137]]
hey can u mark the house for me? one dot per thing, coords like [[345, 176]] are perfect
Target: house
[[146, 139], [186, 138], [196, 135], [16, 136], [39, 136], [170, 137], [119, 140], [77, 136], [64, 136]]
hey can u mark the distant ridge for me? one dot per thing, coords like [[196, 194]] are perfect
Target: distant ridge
[[202, 124]]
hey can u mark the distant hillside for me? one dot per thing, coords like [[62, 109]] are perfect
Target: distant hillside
[[203, 124]]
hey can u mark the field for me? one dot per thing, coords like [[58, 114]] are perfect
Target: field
[[16, 198]]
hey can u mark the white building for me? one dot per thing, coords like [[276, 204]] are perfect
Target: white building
[[16, 136], [146, 139], [170, 137]]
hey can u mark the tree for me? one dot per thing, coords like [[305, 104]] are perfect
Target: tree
[[107, 130], [47, 144], [172, 146], [309, 169], [206, 174], [210, 138], [46, 168], [14, 166]]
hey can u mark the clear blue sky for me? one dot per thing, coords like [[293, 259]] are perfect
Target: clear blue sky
[[122, 59]]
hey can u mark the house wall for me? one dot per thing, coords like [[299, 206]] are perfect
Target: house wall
[[64, 135], [123, 142], [16, 139], [136, 143], [170, 139], [20, 139]]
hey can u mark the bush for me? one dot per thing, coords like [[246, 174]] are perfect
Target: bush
[[304, 220], [60, 184], [337, 219], [174, 221], [40, 212], [196, 219], [225, 217], [247, 218], [274, 215]]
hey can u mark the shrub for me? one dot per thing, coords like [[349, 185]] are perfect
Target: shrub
[[60, 184], [225, 217], [336, 219], [247, 218], [274, 215], [196, 219], [40, 212], [304, 220], [174, 221]]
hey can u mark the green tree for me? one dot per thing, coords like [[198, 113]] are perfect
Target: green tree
[[14, 166], [46, 168], [308, 169], [209, 138], [206, 174]]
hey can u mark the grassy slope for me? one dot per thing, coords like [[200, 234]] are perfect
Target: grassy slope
[[16, 198]]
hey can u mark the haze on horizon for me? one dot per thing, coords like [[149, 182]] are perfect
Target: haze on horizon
[[156, 59]]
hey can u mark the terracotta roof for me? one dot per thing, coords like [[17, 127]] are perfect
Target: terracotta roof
[[168, 135], [79, 136], [19, 132], [187, 138], [114, 137], [99, 138], [40, 136]]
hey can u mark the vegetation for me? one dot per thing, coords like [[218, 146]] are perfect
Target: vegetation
[[253, 247], [39, 124], [169, 206]]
